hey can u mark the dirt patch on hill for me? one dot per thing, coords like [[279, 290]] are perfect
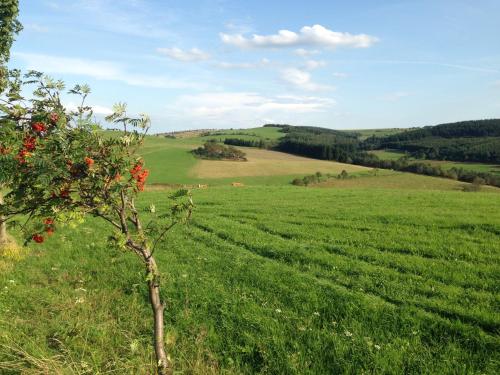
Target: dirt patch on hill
[[268, 163]]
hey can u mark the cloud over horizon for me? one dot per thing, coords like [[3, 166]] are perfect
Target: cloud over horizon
[[249, 107]]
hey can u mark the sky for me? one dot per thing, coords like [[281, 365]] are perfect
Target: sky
[[239, 64]]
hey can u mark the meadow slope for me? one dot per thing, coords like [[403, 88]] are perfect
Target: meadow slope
[[272, 280]]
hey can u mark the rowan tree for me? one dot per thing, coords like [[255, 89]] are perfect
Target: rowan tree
[[60, 167]]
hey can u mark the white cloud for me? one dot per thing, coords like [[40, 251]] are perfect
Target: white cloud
[[227, 65], [192, 55], [340, 75], [314, 64], [305, 52], [316, 35], [394, 96], [37, 28], [239, 26], [496, 84], [101, 70], [247, 105], [302, 80], [97, 109]]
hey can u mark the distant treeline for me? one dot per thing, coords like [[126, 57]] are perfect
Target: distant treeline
[[319, 143], [259, 143], [346, 147], [404, 165], [475, 141]]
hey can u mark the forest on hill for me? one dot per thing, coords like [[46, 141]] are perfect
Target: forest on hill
[[467, 141], [477, 141]]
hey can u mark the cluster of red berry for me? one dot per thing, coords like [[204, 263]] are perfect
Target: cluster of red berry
[[29, 145], [89, 161], [49, 229], [39, 127], [29, 142], [139, 175]]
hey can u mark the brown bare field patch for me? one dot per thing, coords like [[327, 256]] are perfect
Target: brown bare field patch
[[268, 163]]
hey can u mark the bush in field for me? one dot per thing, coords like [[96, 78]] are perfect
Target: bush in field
[[214, 150], [307, 180], [343, 175], [59, 167]]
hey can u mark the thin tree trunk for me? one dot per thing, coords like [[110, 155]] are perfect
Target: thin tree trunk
[[163, 363], [4, 238]]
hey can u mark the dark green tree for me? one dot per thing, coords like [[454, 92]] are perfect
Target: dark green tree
[[9, 28]]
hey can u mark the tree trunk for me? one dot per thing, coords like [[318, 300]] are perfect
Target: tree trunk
[[4, 238], [163, 363]]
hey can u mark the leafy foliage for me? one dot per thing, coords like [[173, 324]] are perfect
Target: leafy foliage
[[9, 27], [213, 150]]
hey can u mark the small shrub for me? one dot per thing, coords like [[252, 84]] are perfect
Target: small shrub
[[343, 175]]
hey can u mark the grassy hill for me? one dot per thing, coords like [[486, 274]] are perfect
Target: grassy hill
[[385, 272], [171, 162]]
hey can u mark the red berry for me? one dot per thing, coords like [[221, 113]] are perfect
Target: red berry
[[89, 161], [38, 127], [48, 221], [38, 238]]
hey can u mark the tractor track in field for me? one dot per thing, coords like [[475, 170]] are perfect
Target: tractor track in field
[[486, 326]]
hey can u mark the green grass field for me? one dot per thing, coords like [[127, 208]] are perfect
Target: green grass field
[[380, 273], [277, 280]]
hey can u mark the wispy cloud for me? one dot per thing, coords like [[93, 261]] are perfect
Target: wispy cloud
[[101, 70], [316, 35], [239, 26], [314, 64], [340, 75], [192, 55], [435, 63], [302, 52], [96, 108], [302, 80], [245, 108], [245, 65], [126, 17]]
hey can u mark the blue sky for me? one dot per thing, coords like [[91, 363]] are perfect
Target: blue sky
[[223, 64]]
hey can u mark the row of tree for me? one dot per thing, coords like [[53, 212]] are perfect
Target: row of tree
[[403, 164], [258, 143]]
